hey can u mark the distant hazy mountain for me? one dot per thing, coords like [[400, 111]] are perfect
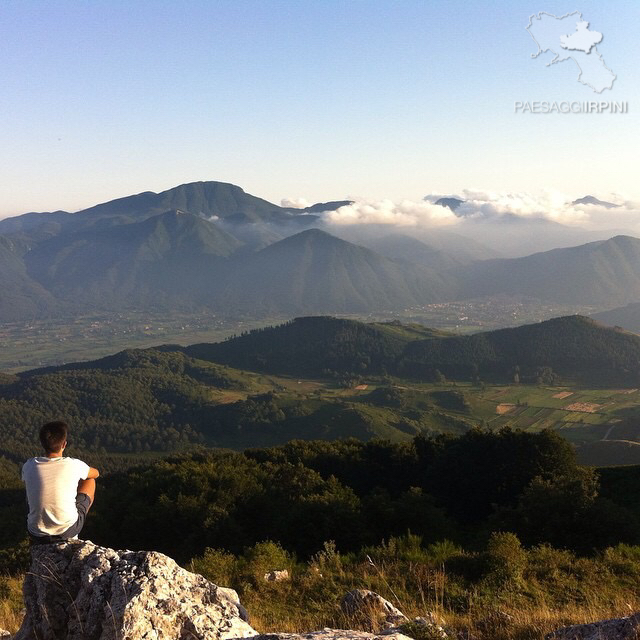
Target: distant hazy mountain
[[454, 246], [627, 317], [452, 203], [324, 206], [594, 200], [516, 236], [206, 199], [29, 221], [603, 273], [20, 296], [171, 257], [406, 248], [210, 245], [314, 271]]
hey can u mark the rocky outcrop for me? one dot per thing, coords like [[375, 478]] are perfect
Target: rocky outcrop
[[371, 609], [79, 591], [362, 603], [615, 629]]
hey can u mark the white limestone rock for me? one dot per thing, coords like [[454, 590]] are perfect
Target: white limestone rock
[[369, 604], [615, 629], [79, 591]]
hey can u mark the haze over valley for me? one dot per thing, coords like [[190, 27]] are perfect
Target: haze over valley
[[211, 246]]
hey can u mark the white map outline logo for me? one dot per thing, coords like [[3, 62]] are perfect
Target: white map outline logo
[[570, 38]]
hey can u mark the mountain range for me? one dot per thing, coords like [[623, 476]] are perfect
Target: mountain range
[[210, 245]]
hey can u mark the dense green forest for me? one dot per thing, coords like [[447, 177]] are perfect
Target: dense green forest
[[573, 346], [233, 394], [304, 494], [157, 401]]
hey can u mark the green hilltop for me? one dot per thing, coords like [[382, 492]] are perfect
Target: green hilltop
[[328, 378], [573, 346]]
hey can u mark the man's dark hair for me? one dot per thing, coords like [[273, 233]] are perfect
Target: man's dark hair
[[53, 435]]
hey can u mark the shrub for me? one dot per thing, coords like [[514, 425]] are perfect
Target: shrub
[[506, 560], [264, 557], [216, 565]]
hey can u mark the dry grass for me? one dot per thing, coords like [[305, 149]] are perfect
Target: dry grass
[[501, 622], [506, 621], [532, 623], [11, 604], [483, 610]]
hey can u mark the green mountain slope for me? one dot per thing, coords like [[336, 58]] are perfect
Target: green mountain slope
[[206, 199], [307, 346], [405, 248], [30, 221], [604, 273], [171, 257], [132, 401], [20, 296], [573, 346], [313, 271], [627, 317], [161, 400]]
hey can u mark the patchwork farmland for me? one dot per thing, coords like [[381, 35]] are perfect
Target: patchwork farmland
[[581, 415]]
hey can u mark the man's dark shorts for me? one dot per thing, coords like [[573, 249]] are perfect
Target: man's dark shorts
[[83, 502]]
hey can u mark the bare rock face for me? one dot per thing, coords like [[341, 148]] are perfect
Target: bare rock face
[[370, 605], [78, 591], [616, 629], [370, 608]]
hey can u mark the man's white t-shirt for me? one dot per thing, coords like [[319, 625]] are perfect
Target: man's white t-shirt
[[52, 487]]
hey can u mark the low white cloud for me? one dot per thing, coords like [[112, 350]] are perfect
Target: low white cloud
[[406, 213], [549, 205], [486, 205], [294, 203]]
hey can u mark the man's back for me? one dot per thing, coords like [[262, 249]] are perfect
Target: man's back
[[52, 486]]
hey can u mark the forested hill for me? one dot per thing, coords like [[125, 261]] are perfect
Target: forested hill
[[229, 394], [574, 346], [134, 401], [316, 346]]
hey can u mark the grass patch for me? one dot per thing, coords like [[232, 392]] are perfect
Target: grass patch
[[506, 592]]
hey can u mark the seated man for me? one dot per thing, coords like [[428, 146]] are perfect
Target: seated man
[[60, 490]]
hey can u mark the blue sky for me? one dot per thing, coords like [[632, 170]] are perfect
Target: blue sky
[[320, 100]]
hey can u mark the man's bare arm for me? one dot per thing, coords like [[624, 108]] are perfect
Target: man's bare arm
[[93, 473]]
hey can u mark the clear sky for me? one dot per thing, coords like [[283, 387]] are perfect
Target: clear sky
[[292, 98]]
